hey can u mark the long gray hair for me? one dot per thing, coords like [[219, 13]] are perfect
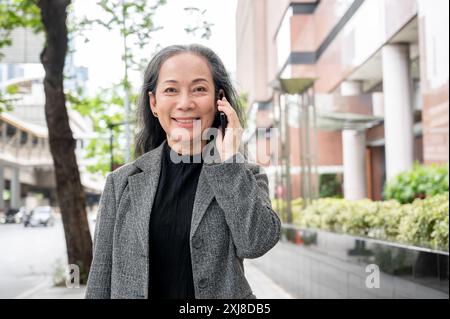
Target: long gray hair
[[151, 134]]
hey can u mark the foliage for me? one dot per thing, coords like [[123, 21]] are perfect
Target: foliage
[[329, 186], [198, 26], [422, 223], [15, 14], [59, 273], [425, 222], [105, 111], [134, 22], [7, 100], [420, 182]]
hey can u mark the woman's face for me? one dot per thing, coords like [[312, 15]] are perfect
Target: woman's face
[[184, 99]]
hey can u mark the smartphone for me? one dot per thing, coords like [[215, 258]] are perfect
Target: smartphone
[[221, 119]]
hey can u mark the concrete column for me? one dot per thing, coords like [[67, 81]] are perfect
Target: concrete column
[[398, 120], [378, 104], [349, 88], [354, 152], [15, 188], [2, 187], [354, 157]]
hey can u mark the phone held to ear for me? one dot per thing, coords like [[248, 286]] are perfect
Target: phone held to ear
[[220, 118]]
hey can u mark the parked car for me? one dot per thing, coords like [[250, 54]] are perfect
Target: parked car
[[21, 214], [41, 215], [10, 216]]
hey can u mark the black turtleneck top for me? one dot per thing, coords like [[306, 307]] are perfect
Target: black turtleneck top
[[170, 223]]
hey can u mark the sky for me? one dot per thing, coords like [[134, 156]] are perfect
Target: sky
[[102, 54]]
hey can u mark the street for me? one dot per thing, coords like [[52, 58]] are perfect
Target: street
[[29, 257]]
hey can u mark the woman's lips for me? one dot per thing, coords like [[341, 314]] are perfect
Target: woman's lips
[[185, 122]]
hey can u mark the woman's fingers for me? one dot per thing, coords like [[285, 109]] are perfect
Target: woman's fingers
[[229, 145], [224, 106]]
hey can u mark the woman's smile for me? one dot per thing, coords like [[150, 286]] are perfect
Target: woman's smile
[[186, 122]]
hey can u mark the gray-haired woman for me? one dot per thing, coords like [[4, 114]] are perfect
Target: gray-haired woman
[[179, 220]]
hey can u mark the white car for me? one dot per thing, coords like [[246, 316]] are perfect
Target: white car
[[41, 215]]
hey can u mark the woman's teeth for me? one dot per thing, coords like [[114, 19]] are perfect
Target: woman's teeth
[[187, 121]]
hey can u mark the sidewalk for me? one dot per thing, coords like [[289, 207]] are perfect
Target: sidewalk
[[46, 290], [263, 287]]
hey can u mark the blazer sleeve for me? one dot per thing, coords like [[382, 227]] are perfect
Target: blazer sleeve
[[241, 190], [99, 280]]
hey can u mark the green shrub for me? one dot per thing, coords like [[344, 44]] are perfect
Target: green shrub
[[425, 222], [420, 182], [329, 186], [422, 223]]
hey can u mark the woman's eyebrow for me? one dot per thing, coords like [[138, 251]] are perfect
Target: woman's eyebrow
[[194, 81], [170, 81], [200, 80]]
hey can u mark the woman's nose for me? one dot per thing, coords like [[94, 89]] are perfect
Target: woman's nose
[[185, 102]]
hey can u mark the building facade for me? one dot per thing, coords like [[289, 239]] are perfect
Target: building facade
[[358, 89]]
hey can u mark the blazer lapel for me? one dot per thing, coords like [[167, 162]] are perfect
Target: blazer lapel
[[204, 194], [143, 188], [203, 197]]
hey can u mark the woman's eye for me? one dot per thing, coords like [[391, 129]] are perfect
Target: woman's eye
[[170, 90], [201, 88]]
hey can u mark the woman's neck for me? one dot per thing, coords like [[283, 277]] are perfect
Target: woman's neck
[[186, 148]]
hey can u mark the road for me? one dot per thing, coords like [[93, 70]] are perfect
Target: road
[[29, 256]]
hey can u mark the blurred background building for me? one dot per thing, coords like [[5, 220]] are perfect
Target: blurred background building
[[26, 166], [364, 85]]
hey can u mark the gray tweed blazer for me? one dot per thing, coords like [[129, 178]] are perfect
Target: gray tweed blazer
[[232, 219]]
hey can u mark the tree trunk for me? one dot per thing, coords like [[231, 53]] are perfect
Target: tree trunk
[[70, 193]]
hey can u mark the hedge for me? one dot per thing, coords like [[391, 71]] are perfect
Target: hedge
[[420, 182], [422, 223]]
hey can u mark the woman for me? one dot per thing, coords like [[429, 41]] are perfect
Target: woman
[[179, 220]]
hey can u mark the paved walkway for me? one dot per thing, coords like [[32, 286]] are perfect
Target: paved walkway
[[263, 287], [46, 290]]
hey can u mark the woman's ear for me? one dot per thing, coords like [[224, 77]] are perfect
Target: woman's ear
[[152, 102]]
